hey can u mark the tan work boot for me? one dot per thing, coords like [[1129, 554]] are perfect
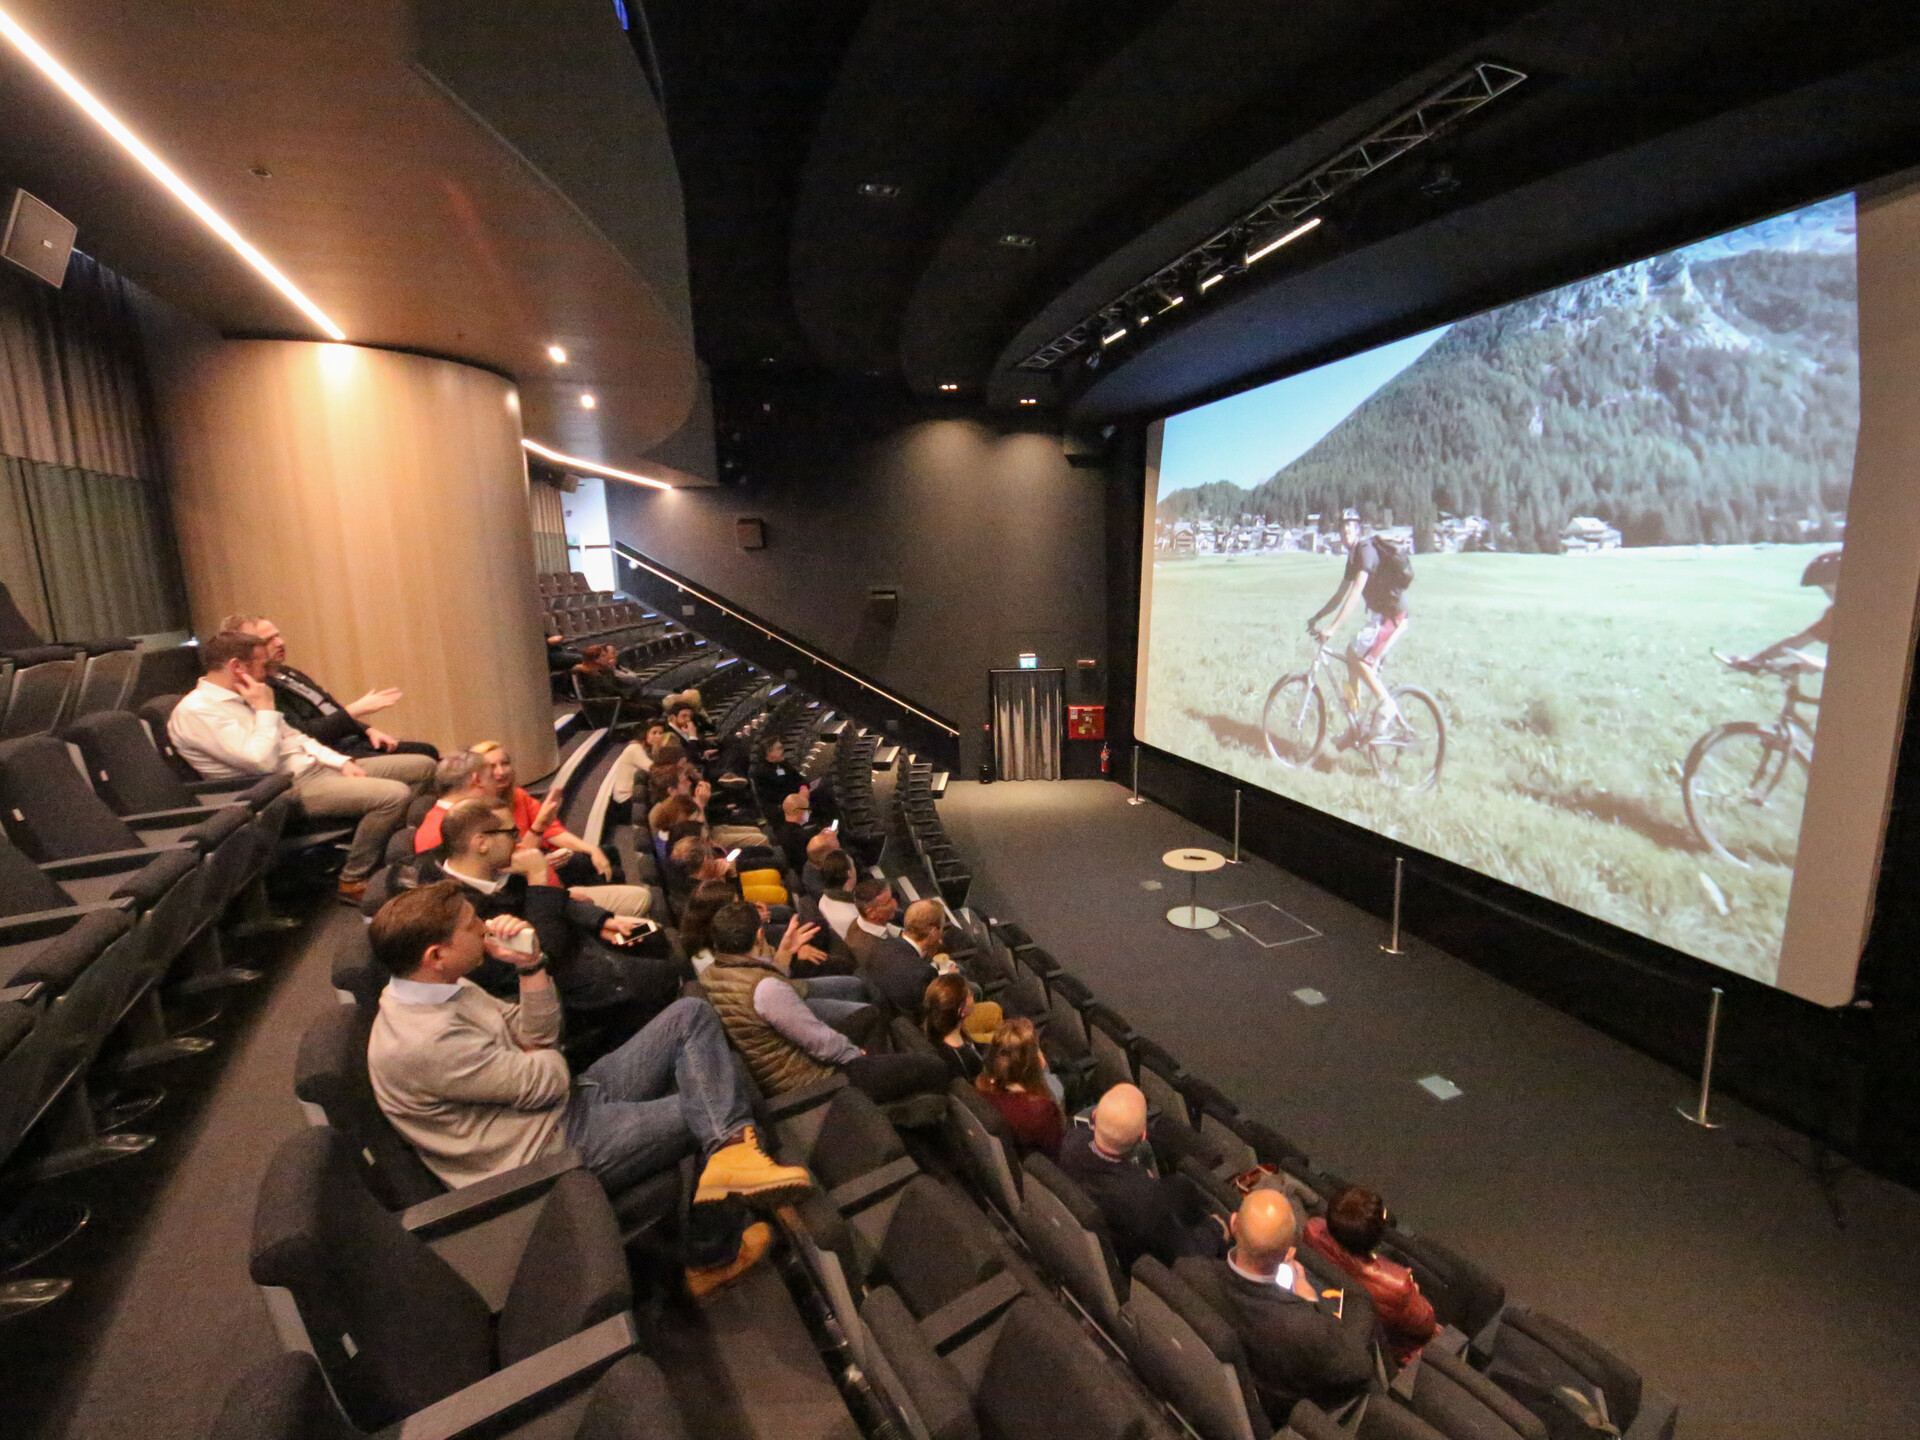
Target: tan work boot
[[743, 1169], [755, 1241]]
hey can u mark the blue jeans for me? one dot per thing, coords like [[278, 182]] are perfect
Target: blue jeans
[[669, 1090]]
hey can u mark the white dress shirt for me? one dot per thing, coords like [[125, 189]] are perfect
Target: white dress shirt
[[225, 738], [839, 914]]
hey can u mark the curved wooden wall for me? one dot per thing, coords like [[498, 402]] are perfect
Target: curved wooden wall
[[374, 504]]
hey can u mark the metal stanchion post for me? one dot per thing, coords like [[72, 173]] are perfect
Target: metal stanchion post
[[1392, 947], [1236, 829], [1134, 799], [1699, 1116]]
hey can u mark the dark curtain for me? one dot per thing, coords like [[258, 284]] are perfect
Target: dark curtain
[[1028, 720], [86, 542]]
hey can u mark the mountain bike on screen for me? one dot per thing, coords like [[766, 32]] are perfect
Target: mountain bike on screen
[[1407, 754], [1745, 783]]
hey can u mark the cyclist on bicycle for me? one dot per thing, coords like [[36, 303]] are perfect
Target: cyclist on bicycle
[[1823, 570], [1377, 574]]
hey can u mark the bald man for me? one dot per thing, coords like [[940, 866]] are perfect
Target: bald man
[[819, 847], [1145, 1214], [1303, 1342]]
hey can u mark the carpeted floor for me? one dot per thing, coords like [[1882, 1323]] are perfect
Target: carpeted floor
[[1710, 1260]]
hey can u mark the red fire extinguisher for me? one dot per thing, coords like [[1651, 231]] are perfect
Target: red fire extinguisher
[[1106, 758]]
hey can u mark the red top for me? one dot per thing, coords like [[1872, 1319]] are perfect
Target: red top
[[1405, 1314], [525, 809], [1035, 1120]]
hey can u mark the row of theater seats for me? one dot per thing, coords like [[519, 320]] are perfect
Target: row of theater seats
[[573, 611], [43, 687], [119, 883], [915, 794]]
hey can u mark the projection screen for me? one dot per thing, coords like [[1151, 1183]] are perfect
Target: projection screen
[[1597, 532]]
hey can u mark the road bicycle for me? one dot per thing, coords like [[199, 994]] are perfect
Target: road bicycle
[[1745, 783], [1407, 756]]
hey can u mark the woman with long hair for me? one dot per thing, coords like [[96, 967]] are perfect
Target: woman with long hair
[[1014, 1082], [696, 920], [946, 1005]]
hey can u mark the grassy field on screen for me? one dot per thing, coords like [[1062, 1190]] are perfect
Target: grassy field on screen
[[1573, 685]]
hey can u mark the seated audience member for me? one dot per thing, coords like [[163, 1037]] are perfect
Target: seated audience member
[[630, 769], [460, 776], [478, 1086], [1349, 1236], [228, 727], [901, 965], [561, 656], [837, 905], [539, 822], [680, 719], [312, 711], [1014, 1081], [578, 937], [696, 920], [774, 780], [1300, 1344], [683, 782], [873, 925], [945, 1009], [1142, 1210], [794, 831], [601, 677], [785, 1043], [823, 844]]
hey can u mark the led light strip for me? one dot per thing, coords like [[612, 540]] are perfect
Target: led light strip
[[161, 171], [592, 467]]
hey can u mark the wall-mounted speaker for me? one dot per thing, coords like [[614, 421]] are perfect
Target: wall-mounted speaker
[[752, 534], [38, 238]]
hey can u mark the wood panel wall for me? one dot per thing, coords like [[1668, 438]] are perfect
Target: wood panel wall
[[374, 504]]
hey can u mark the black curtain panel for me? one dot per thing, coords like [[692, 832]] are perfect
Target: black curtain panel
[[1029, 718]]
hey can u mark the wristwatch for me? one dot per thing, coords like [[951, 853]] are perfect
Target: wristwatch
[[534, 969]]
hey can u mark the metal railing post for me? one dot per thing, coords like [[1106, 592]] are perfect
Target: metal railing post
[[1392, 947], [1699, 1115], [1134, 799]]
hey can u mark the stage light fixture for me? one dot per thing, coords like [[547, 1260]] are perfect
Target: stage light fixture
[[556, 354], [587, 402], [880, 190], [161, 171], [1015, 241], [1028, 400], [1286, 239], [591, 467], [1112, 336], [1209, 281]]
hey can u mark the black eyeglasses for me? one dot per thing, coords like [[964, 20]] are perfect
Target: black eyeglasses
[[508, 830]]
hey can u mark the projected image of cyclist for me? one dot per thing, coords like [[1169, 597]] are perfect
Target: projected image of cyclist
[[1377, 575], [1823, 570]]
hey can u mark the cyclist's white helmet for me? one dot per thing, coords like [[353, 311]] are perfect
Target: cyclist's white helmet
[[1349, 514]]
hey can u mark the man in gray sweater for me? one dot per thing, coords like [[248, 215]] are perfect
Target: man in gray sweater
[[478, 1086]]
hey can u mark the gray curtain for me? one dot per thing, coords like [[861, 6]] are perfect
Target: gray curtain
[[87, 554], [1029, 717]]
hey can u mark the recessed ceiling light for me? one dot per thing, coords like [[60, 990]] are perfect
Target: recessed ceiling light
[[880, 190], [948, 385], [587, 402], [161, 171], [1015, 241], [556, 354], [1028, 400]]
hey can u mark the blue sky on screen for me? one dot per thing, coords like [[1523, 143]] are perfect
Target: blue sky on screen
[[1247, 437]]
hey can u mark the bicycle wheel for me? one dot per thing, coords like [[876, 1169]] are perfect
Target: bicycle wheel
[[1410, 758], [1744, 786], [1295, 721]]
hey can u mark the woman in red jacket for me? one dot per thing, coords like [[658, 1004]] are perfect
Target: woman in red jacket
[[1014, 1082], [1356, 1219]]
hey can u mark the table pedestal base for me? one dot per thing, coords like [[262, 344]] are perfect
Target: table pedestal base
[[1193, 917]]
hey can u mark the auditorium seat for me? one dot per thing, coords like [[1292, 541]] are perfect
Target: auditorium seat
[[1068, 1237], [1110, 1041], [110, 672], [1189, 1356], [985, 1147], [45, 681], [490, 1296], [286, 1398]]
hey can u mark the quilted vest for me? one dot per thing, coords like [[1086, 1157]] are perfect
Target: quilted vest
[[775, 1062]]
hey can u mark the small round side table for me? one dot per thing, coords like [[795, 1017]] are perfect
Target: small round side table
[[1192, 915]]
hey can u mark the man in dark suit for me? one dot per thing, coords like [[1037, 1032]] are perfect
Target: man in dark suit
[[311, 709], [901, 966], [1142, 1210], [1302, 1342], [792, 832]]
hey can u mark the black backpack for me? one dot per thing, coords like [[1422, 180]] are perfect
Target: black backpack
[[1394, 573]]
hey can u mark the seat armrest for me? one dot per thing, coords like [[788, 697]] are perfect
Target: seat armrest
[[222, 787], [796, 1102], [161, 819], [22, 994], [472, 1204], [959, 1318], [564, 1367], [862, 1190], [107, 862], [42, 924], [1656, 1417]]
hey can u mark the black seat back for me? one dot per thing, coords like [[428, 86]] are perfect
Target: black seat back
[[1046, 1379], [111, 670], [44, 680], [49, 810], [331, 1072], [126, 771], [393, 1325], [936, 1249], [24, 886], [284, 1399], [156, 712]]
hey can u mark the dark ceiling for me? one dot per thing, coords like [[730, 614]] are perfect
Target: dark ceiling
[[1115, 134]]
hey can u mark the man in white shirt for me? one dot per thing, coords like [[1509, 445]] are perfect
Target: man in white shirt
[[229, 726], [479, 1087], [837, 905]]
